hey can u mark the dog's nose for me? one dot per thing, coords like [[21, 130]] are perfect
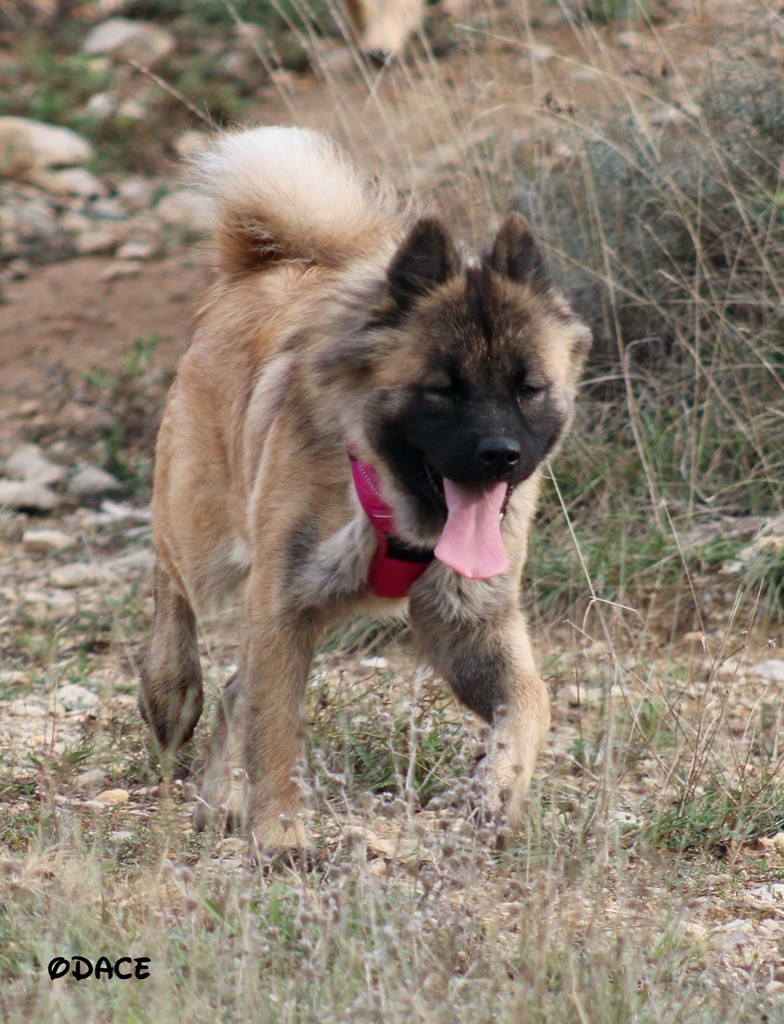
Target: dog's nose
[[378, 56], [497, 455]]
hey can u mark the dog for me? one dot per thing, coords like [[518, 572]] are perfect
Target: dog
[[382, 27], [359, 422]]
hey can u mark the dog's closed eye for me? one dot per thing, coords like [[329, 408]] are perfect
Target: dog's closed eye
[[526, 389]]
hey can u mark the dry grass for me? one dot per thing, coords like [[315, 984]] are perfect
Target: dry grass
[[636, 891]]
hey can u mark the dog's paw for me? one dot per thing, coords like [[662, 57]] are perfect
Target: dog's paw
[[497, 798], [278, 858], [221, 802], [280, 839], [222, 817]]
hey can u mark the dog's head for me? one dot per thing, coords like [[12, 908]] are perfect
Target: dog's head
[[463, 379]]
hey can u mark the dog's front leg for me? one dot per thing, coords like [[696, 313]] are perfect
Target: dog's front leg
[[482, 649], [520, 721]]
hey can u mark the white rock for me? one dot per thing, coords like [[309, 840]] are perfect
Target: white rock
[[136, 250], [583, 695], [95, 242], [101, 105], [540, 53], [135, 192], [733, 934], [68, 181], [773, 893], [75, 222], [90, 482], [24, 708], [379, 662], [42, 145], [772, 844], [28, 462], [93, 778], [52, 606], [773, 670], [632, 40], [109, 208], [732, 568], [112, 796], [41, 542], [107, 7], [27, 497], [73, 576], [186, 210], [13, 677], [124, 39], [120, 268], [74, 697], [144, 559], [134, 109], [35, 222], [118, 510]]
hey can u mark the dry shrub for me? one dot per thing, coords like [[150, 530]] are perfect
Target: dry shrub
[[671, 235]]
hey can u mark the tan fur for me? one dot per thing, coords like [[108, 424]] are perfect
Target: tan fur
[[383, 26], [253, 490]]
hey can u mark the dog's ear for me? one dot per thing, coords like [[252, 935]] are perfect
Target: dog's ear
[[517, 255], [426, 259]]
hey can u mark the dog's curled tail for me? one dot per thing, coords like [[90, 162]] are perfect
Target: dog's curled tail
[[289, 194]]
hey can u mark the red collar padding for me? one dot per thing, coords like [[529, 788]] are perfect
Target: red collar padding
[[388, 576]]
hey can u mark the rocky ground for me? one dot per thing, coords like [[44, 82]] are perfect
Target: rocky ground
[[75, 587]]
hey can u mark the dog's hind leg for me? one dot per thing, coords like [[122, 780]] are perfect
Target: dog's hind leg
[[222, 793], [171, 698]]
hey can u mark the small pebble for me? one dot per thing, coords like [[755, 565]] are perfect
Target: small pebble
[[41, 542], [120, 268], [27, 497], [113, 796], [74, 697], [91, 779], [135, 251], [70, 577], [91, 481]]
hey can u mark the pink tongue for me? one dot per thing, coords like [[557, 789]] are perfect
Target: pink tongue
[[471, 543]]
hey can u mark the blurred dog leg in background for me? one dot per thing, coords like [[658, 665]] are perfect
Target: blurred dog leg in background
[[384, 26]]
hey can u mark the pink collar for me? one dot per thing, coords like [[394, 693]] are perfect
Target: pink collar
[[394, 569]]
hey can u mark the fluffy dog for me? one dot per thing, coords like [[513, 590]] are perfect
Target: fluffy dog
[[360, 420]]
